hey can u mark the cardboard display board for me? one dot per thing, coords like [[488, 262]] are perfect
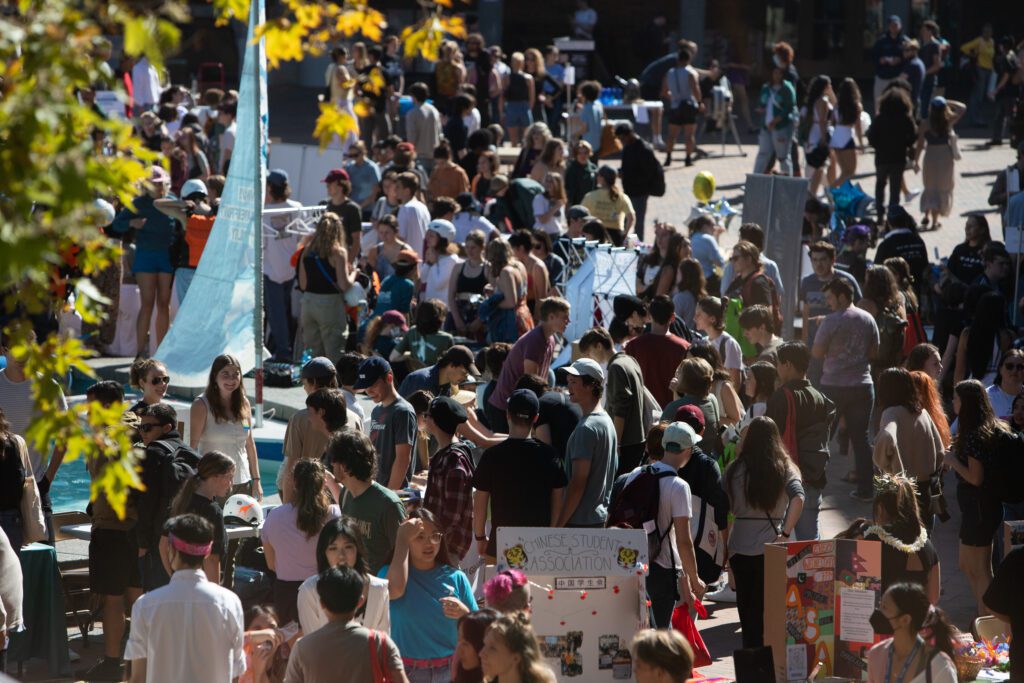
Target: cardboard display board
[[588, 595], [819, 596], [776, 203]]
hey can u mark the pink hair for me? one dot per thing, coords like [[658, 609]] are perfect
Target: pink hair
[[499, 589]]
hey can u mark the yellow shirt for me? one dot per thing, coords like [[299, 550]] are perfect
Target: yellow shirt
[[984, 50], [612, 214]]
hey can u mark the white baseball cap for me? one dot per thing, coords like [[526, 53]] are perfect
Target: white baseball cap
[[678, 437], [193, 186], [443, 229], [586, 367]]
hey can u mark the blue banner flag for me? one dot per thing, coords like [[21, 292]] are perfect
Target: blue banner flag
[[217, 314]]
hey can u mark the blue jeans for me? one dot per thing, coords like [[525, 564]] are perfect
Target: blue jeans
[[182, 281], [854, 403], [440, 674], [806, 528], [977, 103], [278, 300]]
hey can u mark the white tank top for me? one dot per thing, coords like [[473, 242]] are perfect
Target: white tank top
[[227, 437]]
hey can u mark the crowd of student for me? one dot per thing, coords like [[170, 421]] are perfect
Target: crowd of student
[[688, 398]]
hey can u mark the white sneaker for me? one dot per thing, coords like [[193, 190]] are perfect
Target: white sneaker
[[909, 195], [723, 594]]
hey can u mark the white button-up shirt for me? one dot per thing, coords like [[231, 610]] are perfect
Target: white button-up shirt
[[189, 630]]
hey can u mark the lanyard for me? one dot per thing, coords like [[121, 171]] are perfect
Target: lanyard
[[906, 663]]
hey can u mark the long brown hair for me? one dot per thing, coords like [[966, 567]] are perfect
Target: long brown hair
[[311, 502], [212, 464], [766, 463], [238, 408], [896, 496], [976, 415], [880, 286], [329, 233]]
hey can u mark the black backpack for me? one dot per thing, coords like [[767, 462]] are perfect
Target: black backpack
[[892, 332], [1004, 469], [636, 506]]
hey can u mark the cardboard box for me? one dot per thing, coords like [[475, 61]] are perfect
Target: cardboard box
[[819, 596]]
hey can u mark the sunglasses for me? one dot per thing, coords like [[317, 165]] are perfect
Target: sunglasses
[[1013, 367], [146, 427], [160, 380], [538, 246]]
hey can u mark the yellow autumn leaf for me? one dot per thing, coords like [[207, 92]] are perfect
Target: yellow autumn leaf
[[349, 22], [226, 10], [308, 16], [373, 25], [283, 41], [444, 3], [456, 26], [334, 122], [361, 108]]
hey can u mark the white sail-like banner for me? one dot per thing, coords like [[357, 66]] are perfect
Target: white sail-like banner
[[217, 314]]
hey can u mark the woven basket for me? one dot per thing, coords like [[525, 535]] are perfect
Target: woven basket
[[968, 668]]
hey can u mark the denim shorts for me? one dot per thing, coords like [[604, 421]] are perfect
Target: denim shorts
[[152, 261], [518, 114]]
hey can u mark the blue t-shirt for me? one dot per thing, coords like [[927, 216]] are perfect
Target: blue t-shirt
[[364, 177], [418, 624], [395, 294], [592, 114], [705, 250]]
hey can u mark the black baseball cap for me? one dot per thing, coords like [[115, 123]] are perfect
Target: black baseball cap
[[318, 368], [371, 370], [523, 404], [447, 413], [459, 356]]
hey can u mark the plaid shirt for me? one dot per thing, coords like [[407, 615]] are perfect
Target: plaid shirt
[[449, 496]]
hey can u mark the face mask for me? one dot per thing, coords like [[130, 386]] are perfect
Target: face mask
[[881, 624], [778, 61]]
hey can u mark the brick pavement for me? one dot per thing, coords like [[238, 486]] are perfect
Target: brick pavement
[[974, 176], [291, 120]]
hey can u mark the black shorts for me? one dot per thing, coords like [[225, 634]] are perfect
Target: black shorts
[[980, 515], [113, 562], [683, 115]]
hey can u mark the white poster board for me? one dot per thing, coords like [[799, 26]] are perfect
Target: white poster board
[[588, 595]]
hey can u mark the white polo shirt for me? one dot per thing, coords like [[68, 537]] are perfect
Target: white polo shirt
[[189, 630]]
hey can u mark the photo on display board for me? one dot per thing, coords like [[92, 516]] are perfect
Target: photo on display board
[[572, 658], [609, 647]]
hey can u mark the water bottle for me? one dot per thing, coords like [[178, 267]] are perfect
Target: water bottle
[[307, 355]]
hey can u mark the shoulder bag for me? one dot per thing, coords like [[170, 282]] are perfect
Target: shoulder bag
[[379, 658], [32, 520]]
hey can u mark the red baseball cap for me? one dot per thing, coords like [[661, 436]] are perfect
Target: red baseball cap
[[691, 415], [336, 174]]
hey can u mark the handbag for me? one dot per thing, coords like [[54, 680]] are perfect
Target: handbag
[[683, 622], [379, 658], [32, 520]]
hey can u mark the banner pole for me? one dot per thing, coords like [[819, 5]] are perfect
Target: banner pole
[[257, 199]]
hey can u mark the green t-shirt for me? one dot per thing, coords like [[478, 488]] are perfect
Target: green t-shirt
[[376, 514], [425, 347]]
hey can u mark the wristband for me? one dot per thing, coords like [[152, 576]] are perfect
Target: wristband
[[785, 534], [480, 538]]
